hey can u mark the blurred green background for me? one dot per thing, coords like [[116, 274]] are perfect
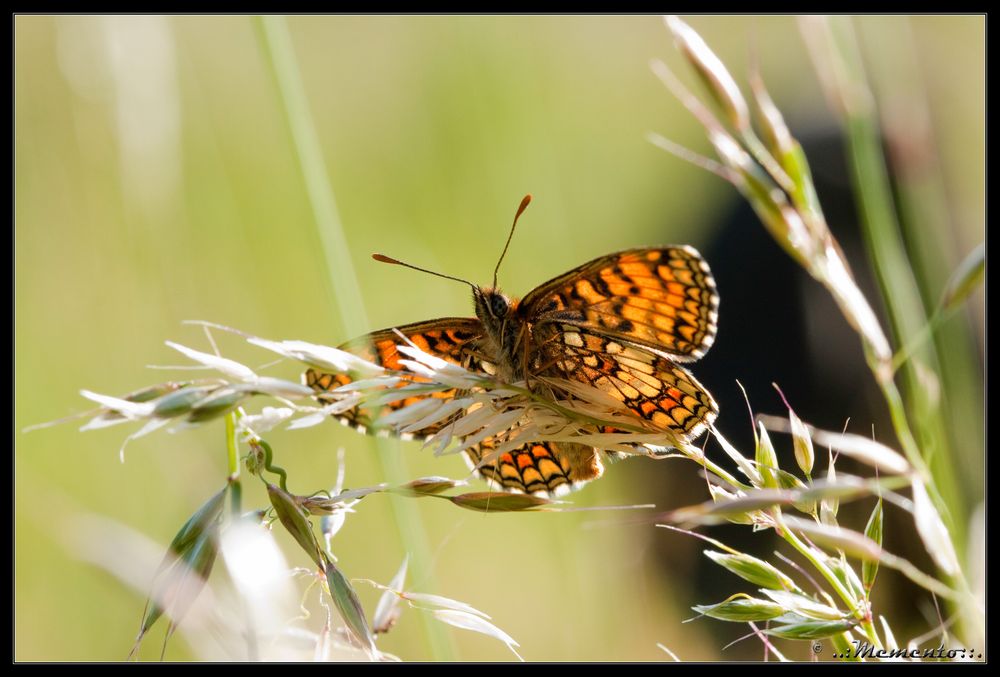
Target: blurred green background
[[156, 181]]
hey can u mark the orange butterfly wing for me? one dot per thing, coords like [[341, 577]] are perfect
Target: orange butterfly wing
[[622, 322], [544, 468], [452, 339], [652, 386], [661, 298]]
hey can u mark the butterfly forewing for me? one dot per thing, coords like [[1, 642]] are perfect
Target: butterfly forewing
[[451, 339], [663, 298]]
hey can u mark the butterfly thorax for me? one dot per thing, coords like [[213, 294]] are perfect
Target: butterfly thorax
[[506, 332]]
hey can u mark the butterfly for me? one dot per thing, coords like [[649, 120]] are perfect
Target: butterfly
[[622, 323]]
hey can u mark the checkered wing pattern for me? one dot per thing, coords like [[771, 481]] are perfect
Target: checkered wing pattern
[[652, 386], [545, 468], [664, 299], [451, 339]]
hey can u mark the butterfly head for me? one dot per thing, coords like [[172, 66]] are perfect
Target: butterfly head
[[492, 305], [498, 313]]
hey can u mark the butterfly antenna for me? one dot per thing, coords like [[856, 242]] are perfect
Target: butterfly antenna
[[520, 210], [387, 259]]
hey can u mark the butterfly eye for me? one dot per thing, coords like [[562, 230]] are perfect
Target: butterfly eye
[[498, 305]]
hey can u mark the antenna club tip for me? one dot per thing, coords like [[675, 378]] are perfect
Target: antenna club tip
[[382, 258], [524, 205]]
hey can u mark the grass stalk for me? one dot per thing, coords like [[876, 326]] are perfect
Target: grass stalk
[[233, 465], [800, 228], [278, 48], [922, 200], [932, 455], [889, 258]]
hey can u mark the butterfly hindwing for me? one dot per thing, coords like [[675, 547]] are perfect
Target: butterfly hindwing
[[650, 385], [451, 339], [661, 298], [545, 468]]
